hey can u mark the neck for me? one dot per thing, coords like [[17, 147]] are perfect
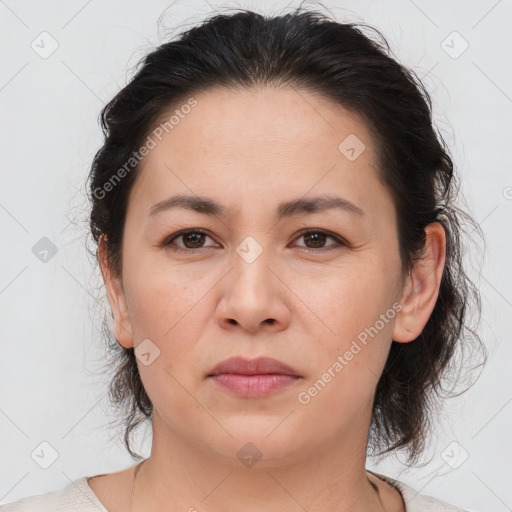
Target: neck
[[192, 478]]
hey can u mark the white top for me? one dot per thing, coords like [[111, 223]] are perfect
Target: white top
[[79, 497]]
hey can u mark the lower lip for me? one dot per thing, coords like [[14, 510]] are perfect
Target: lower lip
[[254, 386]]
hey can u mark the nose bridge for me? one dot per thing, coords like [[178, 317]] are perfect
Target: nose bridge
[[253, 248], [252, 261]]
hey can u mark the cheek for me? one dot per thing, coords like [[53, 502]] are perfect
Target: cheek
[[166, 312], [337, 400], [348, 298], [353, 318], [161, 302]]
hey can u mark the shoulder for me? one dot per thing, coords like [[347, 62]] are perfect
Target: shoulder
[[76, 496], [416, 502]]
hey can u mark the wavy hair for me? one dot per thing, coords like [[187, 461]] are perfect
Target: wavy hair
[[350, 64]]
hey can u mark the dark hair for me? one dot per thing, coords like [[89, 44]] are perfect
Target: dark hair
[[307, 50]]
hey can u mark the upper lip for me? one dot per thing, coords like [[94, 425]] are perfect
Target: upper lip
[[257, 366]]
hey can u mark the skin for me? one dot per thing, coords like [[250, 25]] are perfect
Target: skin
[[250, 150]]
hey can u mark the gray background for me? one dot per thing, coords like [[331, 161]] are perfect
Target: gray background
[[53, 389]]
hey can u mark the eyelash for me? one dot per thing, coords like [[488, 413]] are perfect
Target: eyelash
[[339, 241]]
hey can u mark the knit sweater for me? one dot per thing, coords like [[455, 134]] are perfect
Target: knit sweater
[[77, 496]]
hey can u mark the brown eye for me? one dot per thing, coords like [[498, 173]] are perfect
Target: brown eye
[[194, 239], [316, 239], [191, 239]]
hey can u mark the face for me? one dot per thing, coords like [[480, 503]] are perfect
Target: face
[[246, 281]]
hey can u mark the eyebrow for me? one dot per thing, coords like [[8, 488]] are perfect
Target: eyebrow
[[208, 206]]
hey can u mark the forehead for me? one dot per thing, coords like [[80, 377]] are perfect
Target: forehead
[[253, 145], [287, 115]]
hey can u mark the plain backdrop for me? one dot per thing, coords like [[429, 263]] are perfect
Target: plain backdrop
[[61, 62]]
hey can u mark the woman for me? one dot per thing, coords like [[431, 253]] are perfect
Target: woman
[[276, 231]]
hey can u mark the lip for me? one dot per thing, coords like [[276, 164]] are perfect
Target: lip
[[253, 378], [257, 366]]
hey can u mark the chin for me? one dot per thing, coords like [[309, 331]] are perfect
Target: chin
[[257, 443]]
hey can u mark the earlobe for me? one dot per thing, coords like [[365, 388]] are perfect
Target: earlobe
[[402, 331], [116, 298], [421, 289]]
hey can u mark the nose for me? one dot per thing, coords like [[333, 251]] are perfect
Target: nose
[[254, 298]]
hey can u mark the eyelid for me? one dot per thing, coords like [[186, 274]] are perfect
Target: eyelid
[[339, 240], [183, 232]]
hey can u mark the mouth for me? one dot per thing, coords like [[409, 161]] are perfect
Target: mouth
[[253, 378]]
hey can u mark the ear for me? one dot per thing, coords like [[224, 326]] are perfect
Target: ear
[[421, 288], [116, 298]]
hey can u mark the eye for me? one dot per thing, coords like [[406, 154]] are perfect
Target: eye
[[194, 239], [191, 238], [316, 239]]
